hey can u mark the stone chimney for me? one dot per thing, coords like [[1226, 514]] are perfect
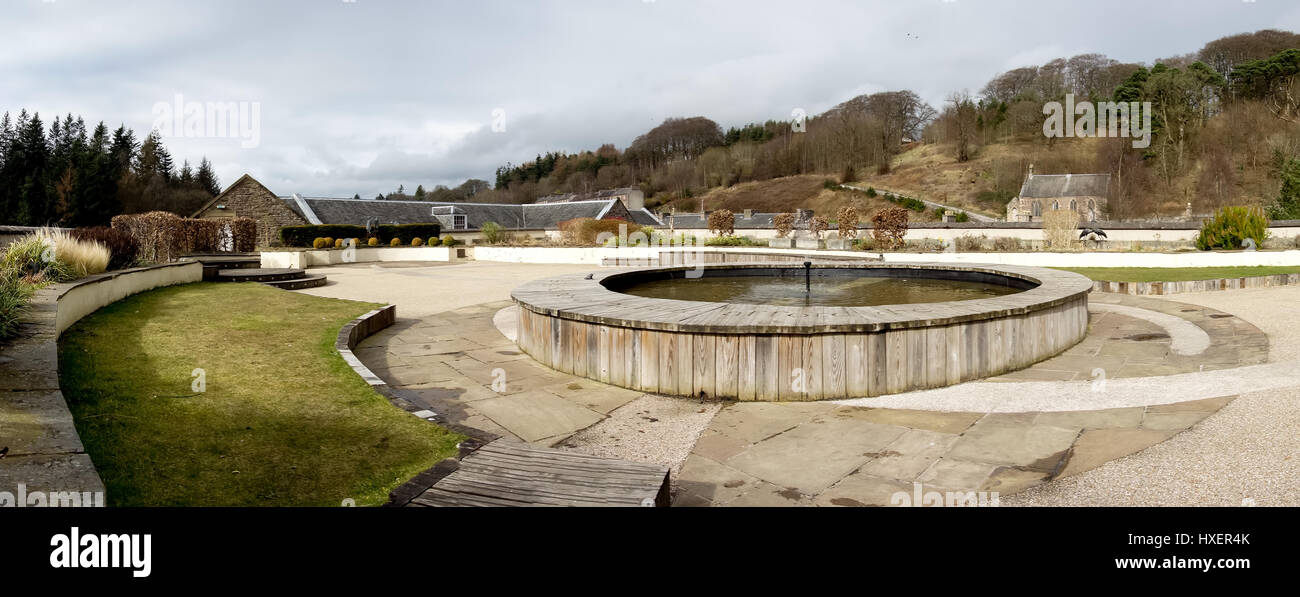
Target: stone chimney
[[1031, 169]]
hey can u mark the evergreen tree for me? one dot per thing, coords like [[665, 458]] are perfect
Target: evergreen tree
[[207, 179]]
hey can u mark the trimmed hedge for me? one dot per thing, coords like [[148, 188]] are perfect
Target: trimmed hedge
[[122, 247], [406, 232], [302, 236]]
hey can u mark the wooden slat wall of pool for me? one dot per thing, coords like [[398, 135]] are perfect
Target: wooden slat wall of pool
[[786, 367]]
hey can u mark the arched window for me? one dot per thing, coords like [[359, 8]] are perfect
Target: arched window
[[1038, 209], [1056, 205], [1074, 205]]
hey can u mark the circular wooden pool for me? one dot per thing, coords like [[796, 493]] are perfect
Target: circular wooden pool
[[717, 348]]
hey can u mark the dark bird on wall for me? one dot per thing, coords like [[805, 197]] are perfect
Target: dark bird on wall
[[1096, 233], [4, 451]]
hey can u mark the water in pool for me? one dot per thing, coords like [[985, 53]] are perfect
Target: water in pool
[[827, 291]]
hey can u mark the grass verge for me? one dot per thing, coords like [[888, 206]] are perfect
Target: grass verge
[[283, 421], [1178, 274]]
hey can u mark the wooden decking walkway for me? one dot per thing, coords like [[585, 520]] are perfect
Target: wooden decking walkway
[[504, 473]]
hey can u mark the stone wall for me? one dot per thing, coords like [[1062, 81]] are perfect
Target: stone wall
[[248, 198]]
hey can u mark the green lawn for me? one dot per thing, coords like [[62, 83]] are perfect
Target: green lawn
[[283, 421], [1179, 274]]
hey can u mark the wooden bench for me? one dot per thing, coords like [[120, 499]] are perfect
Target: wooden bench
[[505, 473]]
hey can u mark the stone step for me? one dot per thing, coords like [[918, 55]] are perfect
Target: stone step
[[299, 283], [260, 274]]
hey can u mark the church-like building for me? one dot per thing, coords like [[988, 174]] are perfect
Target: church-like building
[[1085, 194]]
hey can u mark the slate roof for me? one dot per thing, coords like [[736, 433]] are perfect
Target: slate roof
[[527, 216], [1051, 186]]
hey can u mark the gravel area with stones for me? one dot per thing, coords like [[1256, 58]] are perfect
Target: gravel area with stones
[[1246, 454], [657, 429]]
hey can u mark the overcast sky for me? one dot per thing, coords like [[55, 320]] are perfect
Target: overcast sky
[[361, 96]]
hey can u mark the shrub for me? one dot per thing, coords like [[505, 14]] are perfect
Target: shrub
[[396, 242], [722, 222], [588, 231], [338, 243], [122, 247], [302, 236], [1007, 244], [319, 243], [784, 224], [830, 184], [84, 258], [32, 259], [1061, 229], [157, 232], [372, 242], [733, 241], [492, 233], [967, 243], [889, 227], [848, 220], [54, 256], [1231, 226], [199, 236], [963, 216], [244, 234], [871, 191], [417, 241], [817, 225], [387, 232], [449, 241], [14, 295]]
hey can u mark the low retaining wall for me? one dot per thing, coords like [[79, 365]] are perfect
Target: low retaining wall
[[47, 462], [637, 255], [359, 329], [313, 258], [1166, 288]]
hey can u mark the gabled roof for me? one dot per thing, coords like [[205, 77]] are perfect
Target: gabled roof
[[1052, 186], [222, 196], [525, 216]]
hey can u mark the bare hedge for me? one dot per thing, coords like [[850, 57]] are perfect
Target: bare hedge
[[164, 236]]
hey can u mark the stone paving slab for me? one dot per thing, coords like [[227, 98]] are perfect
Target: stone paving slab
[[783, 454]]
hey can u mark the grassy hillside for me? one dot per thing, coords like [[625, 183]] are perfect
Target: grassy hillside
[[787, 194]]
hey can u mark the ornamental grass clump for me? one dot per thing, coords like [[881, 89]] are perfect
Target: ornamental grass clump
[[14, 295], [49, 255]]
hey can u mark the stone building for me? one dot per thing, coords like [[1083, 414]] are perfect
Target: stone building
[[1085, 194], [249, 198]]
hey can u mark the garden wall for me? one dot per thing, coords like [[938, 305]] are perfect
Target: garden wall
[[315, 258], [47, 463]]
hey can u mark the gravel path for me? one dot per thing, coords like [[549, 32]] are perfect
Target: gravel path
[[658, 429], [1247, 453]]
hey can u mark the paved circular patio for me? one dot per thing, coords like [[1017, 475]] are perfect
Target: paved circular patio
[[1139, 379]]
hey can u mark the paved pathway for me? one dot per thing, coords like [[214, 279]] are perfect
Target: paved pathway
[[974, 216], [463, 367]]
